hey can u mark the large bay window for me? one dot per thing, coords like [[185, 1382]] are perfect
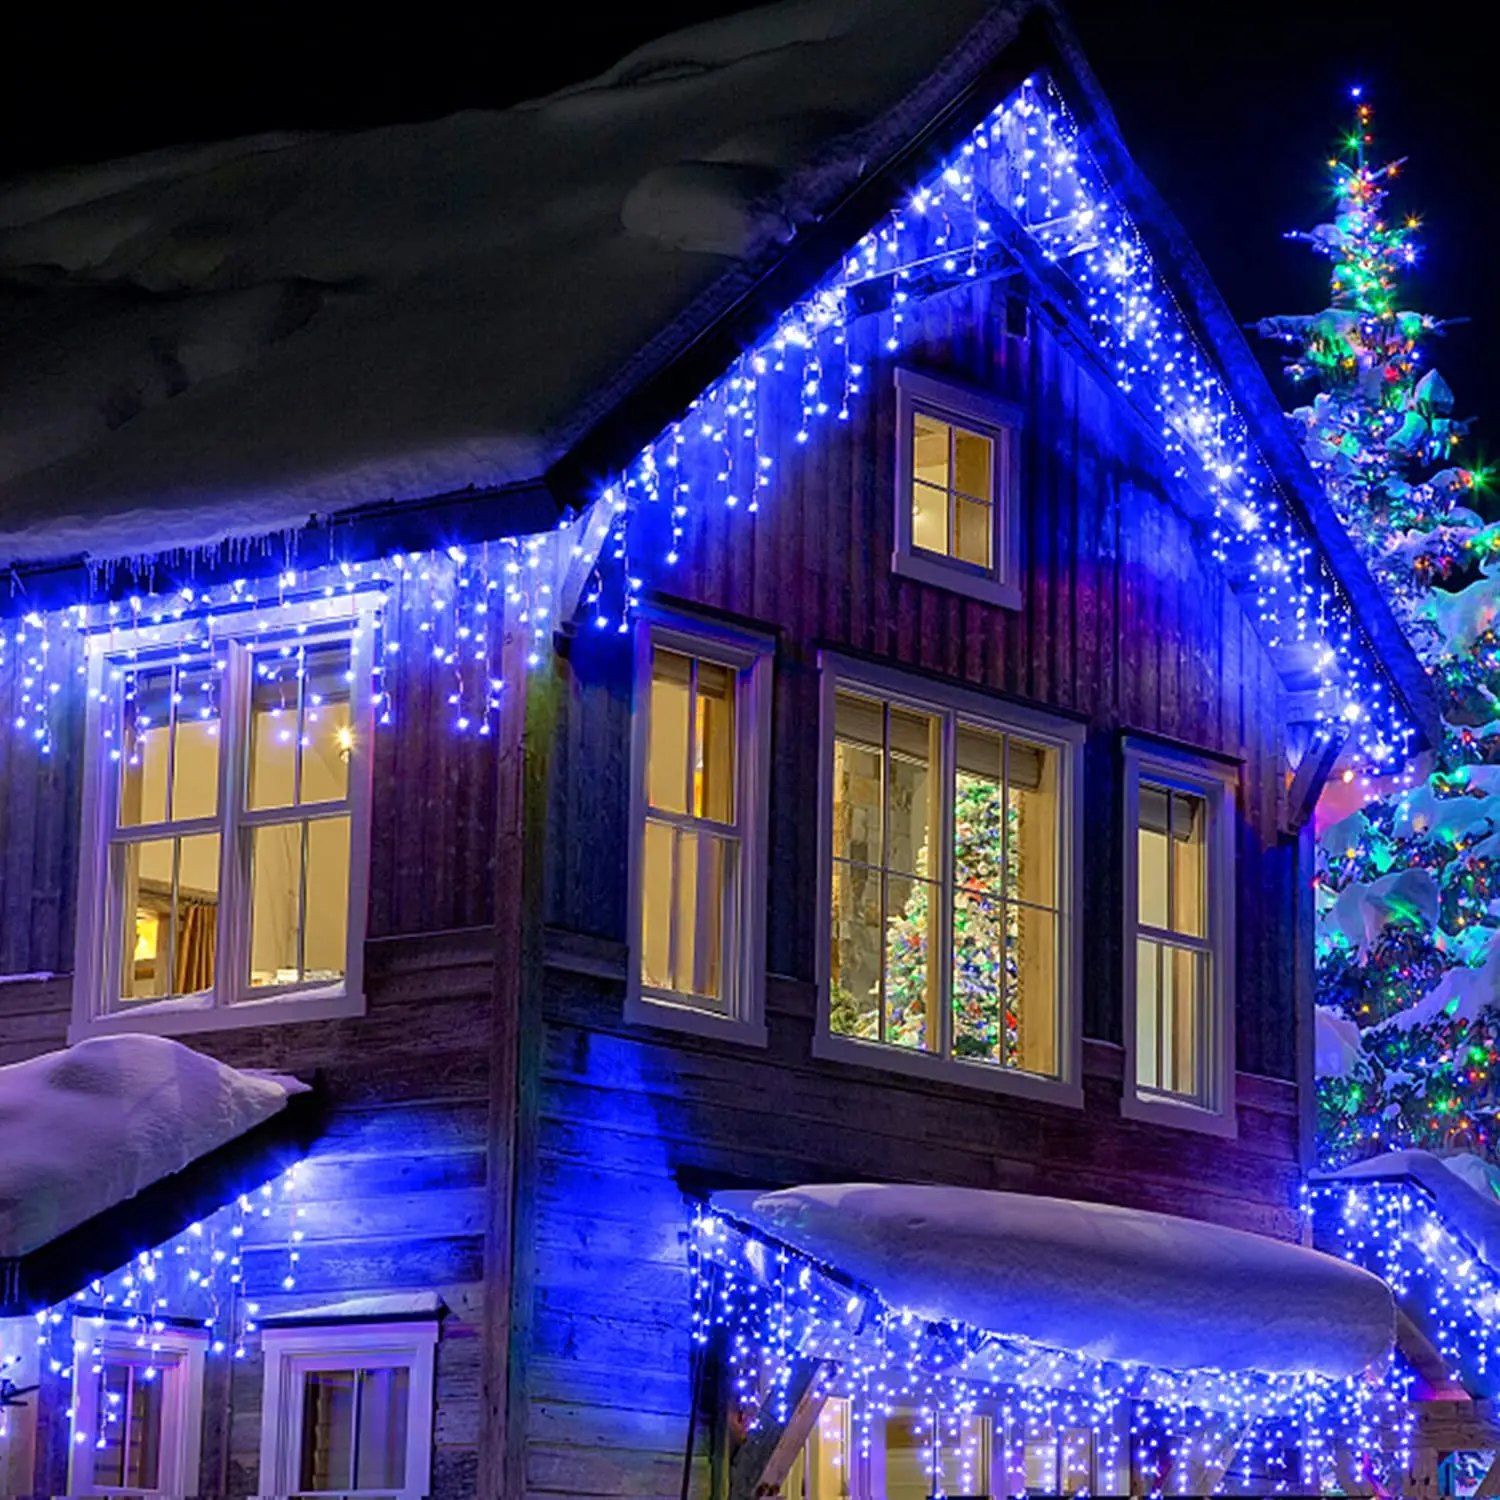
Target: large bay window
[[700, 767], [950, 877], [225, 824], [1180, 935]]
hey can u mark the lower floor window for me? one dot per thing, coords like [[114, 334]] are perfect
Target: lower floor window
[[347, 1410], [137, 1409], [919, 1454]]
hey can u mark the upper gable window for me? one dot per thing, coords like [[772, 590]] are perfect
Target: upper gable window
[[957, 489], [225, 826], [698, 862], [1179, 923]]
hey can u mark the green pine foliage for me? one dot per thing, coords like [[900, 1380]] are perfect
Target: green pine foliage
[[1409, 888]]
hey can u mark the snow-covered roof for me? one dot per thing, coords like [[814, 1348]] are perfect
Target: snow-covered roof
[[1110, 1283], [231, 339], [1464, 1189], [88, 1127]]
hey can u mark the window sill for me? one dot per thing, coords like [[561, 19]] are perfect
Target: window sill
[[981, 1076], [1179, 1114], [957, 578], [650, 1011], [185, 1018]]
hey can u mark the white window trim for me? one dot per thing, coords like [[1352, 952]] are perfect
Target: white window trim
[[182, 1404], [1003, 422], [750, 656], [1067, 738], [289, 1353], [219, 1009], [1216, 783]]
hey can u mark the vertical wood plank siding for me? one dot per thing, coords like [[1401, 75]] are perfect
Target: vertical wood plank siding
[[392, 1195], [1122, 623]]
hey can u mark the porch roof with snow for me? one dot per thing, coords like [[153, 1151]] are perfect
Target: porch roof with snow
[[1113, 1284], [461, 328], [118, 1143]]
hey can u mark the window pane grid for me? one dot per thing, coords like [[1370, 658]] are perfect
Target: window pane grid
[[953, 486], [955, 955], [180, 857], [692, 838], [1173, 945]]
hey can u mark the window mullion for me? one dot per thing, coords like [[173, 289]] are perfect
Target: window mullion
[[946, 782], [232, 965]]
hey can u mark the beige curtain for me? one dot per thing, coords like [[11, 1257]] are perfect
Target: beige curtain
[[197, 923]]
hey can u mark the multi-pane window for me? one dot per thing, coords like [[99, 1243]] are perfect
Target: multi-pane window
[[948, 902], [700, 813], [691, 859], [1180, 931], [228, 804], [1172, 952], [136, 1410], [347, 1410], [953, 490], [915, 1454], [957, 489]]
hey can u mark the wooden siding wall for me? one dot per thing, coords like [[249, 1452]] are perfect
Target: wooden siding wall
[[392, 1194], [1123, 624]]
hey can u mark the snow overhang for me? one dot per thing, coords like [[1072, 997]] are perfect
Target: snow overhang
[[1112, 1284], [119, 1142]]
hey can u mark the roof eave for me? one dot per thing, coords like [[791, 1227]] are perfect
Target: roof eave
[[1383, 636]]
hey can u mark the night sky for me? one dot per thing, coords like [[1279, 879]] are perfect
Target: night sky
[[1231, 111]]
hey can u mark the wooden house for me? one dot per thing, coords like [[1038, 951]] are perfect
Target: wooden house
[[844, 723]]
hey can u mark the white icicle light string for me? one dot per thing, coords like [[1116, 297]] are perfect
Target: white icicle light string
[[1027, 157], [769, 1310]]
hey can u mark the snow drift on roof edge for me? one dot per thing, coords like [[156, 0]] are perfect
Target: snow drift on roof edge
[[305, 325], [1110, 1283], [88, 1127]]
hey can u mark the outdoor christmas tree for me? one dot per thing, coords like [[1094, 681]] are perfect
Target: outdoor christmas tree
[[1409, 887]]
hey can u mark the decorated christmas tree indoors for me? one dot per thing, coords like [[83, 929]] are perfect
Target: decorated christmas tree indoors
[[1409, 884]]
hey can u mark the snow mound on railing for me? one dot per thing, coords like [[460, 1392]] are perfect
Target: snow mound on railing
[[88, 1127]]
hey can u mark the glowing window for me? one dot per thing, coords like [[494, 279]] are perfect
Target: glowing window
[[700, 798], [1180, 935], [957, 489], [229, 801], [949, 870], [137, 1409], [347, 1410]]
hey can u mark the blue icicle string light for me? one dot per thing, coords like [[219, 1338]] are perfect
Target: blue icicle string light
[[1393, 1229], [197, 1279], [1024, 171], [456, 600], [1023, 175], [771, 1310]]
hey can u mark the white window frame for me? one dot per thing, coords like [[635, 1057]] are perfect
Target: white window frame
[[291, 1352], [750, 657], [1213, 1112], [1003, 422], [1064, 736], [231, 1003], [181, 1411]]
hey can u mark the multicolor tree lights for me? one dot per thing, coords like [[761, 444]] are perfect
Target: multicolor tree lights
[[1408, 887]]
